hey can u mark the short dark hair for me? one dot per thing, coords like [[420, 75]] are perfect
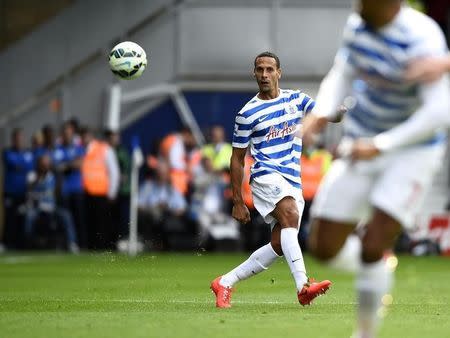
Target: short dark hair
[[269, 55]]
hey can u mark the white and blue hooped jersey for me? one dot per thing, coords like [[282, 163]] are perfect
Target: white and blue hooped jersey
[[378, 58], [270, 128]]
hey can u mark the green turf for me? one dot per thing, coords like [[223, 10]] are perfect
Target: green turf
[[164, 295]]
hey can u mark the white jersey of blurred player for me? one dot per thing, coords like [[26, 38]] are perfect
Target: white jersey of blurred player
[[399, 116], [393, 134]]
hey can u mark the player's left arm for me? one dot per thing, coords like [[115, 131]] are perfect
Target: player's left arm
[[328, 107]]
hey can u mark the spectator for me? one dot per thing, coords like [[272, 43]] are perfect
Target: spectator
[[218, 151], [56, 154], [176, 149], [74, 124], [18, 163], [72, 195], [161, 206], [100, 176], [122, 206], [37, 144], [42, 203]]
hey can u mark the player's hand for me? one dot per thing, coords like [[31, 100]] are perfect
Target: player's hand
[[310, 131], [340, 112], [240, 213], [364, 149], [426, 70]]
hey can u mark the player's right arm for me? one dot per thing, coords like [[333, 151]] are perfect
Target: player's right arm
[[332, 91], [427, 69], [240, 211], [241, 141]]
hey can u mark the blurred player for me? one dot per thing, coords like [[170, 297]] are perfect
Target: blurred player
[[392, 146], [268, 124]]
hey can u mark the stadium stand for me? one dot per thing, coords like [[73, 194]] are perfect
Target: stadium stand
[[186, 86]]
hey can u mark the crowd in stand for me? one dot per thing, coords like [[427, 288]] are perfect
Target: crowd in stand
[[68, 183], [72, 190]]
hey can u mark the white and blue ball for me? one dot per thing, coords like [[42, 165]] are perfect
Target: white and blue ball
[[128, 60]]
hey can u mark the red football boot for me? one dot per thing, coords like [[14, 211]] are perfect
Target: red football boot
[[311, 290], [223, 293]]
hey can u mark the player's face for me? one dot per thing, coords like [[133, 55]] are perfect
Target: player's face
[[267, 74]]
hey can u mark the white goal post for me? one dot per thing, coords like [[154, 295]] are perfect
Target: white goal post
[[113, 118]]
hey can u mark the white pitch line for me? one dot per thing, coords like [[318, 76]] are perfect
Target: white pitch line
[[190, 301], [151, 301], [16, 260], [22, 259]]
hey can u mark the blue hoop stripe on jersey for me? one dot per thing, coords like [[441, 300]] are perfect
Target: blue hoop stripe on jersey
[[289, 171], [381, 100], [250, 112], [242, 126], [275, 155], [266, 172], [395, 118], [241, 139], [293, 159], [368, 52], [353, 114], [387, 40]]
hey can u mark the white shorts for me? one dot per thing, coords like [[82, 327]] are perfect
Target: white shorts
[[395, 183], [268, 190]]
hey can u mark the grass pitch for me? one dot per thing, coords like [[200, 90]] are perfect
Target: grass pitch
[[167, 295]]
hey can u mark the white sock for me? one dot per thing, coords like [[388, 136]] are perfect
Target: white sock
[[293, 255], [258, 261], [348, 258], [373, 282]]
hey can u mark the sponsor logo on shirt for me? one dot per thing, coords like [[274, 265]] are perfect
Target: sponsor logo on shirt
[[275, 132]]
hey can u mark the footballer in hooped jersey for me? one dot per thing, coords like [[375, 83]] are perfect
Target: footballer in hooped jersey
[[268, 124], [394, 143]]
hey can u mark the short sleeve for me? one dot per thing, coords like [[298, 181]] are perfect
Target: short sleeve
[[242, 132], [307, 103]]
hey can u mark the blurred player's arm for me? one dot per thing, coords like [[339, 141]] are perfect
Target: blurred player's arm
[[334, 88], [240, 211], [431, 116], [427, 69]]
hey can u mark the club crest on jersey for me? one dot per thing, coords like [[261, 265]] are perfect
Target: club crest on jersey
[[292, 109], [275, 132]]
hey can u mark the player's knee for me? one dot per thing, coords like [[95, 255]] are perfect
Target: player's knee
[[289, 217], [276, 246], [320, 251], [372, 250]]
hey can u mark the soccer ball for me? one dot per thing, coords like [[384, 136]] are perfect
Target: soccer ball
[[127, 60]]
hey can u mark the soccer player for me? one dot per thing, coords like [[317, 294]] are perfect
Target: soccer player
[[268, 124], [393, 143]]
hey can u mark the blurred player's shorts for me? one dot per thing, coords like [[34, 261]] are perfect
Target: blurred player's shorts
[[396, 182]]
